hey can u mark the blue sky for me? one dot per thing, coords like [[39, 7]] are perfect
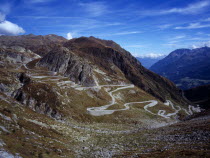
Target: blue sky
[[142, 27]]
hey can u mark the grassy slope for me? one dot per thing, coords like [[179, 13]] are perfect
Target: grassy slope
[[45, 137], [80, 134]]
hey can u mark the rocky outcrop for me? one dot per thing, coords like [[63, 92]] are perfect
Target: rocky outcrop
[[9, 81], [39, 98], [15, 56], [105, 54], [65, 62]]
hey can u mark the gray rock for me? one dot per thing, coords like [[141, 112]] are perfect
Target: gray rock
[[36, 105], [64, 61]]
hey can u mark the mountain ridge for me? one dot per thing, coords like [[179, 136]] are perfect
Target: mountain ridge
[[186, 67], [39, 44], [113, 55]]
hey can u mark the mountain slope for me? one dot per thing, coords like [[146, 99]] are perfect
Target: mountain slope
[[83, 98], [37, 44], [106, 56], [187, 68], [79, 62]]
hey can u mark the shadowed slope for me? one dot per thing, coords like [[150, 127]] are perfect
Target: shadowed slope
[[105, 54]]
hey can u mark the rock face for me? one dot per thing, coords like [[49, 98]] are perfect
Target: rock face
[[105, 54], [64, 61], [16, 55], [9, 82], [187, 68], [43, 101]]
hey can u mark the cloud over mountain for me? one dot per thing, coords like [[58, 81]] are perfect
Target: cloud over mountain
[[9, 28], [69, 36]]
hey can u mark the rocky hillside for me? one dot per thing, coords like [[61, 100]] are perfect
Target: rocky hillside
[[107, 54], [37, 44], [185, 67], [88, 97]]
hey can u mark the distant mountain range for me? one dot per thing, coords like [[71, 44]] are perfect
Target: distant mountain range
[[147, 62], [187, 68]]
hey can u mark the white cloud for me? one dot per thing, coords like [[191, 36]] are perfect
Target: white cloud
[[69, 36], [175, 41], [9, 28], [113, 24], [193, 8], [194, 46], [94, 8], [198, 39], [193, 26], [151, 55], [119, 33], [190, 9], [199, 45]]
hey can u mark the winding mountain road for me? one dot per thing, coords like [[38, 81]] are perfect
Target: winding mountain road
[[102, 110]]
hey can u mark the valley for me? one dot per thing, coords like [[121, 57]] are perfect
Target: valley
[[88, 98]]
